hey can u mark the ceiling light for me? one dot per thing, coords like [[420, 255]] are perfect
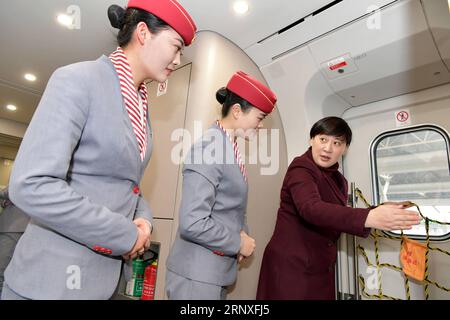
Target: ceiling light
[[11, 107], [240, 7], [30, 77], [65, 20]]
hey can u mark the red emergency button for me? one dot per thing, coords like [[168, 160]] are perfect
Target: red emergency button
[[219, 253], [136, 189]]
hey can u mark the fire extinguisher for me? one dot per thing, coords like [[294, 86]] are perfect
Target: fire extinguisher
[[134, 286], [148, 286]]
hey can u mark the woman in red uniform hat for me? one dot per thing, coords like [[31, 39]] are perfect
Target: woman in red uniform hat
[[212, 237], [79, 166]]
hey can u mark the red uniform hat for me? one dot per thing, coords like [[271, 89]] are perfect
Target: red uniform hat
[[253, 91], [172, 13]]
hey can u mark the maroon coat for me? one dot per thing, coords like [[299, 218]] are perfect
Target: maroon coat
[[300, 258]]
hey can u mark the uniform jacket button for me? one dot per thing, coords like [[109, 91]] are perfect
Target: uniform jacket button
[[136, 189]]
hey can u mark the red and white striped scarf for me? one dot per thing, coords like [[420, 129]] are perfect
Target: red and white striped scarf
[[130, 96], [237, 154]]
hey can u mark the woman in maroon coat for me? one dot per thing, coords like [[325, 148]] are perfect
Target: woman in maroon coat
[[299, 260]]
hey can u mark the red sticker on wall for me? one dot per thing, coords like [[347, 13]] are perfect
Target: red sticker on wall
[[337, 65]]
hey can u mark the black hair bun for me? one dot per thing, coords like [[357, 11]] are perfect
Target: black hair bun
[[221, 95], [116, 15]]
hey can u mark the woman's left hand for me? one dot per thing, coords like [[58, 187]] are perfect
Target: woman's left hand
[[144, 227]]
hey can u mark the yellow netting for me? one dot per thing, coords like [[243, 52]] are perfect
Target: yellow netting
[[376, 235]]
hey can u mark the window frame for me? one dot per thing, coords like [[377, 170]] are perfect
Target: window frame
[[374, 173]]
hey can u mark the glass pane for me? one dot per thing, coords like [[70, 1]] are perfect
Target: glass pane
[[414, 166]]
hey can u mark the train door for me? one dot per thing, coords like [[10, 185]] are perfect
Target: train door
[[392, 162]]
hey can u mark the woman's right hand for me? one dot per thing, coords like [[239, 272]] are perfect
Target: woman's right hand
[[139, 246], [247, 244], [390, 217]]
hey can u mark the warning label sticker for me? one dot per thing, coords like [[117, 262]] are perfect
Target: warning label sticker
[[337, 63]]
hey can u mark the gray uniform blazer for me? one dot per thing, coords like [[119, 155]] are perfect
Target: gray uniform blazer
[[76, 175], [212, 212]]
